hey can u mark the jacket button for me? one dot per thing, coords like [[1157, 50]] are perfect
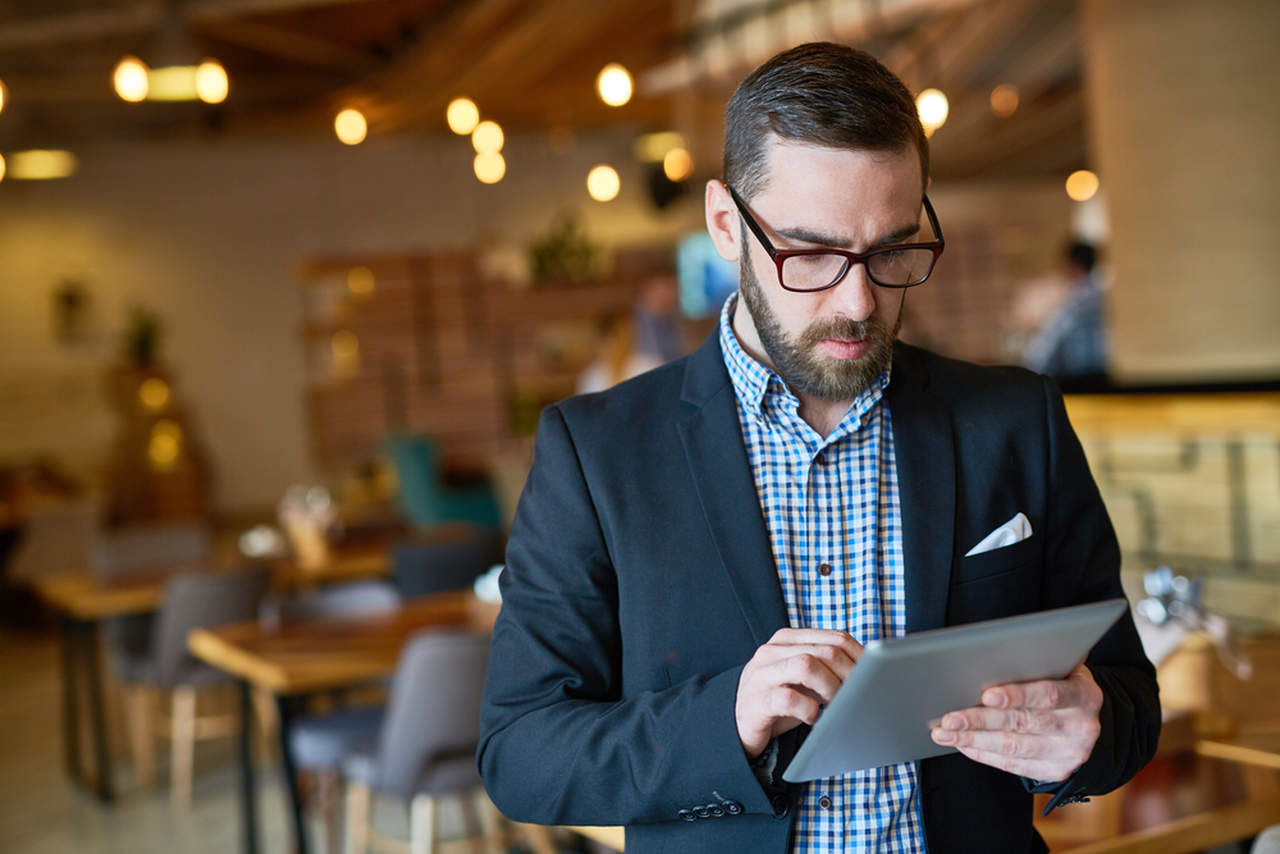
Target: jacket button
[[704, 812], [780, 805], [717, 811], [733, 808], [686, 815]]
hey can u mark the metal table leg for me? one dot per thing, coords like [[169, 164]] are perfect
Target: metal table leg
[[80, 652], [70, 699], [287, 707], [248, 796]]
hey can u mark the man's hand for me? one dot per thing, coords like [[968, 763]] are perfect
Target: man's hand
[[787, 680], [1042, 730]]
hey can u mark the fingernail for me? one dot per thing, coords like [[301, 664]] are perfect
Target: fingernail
[[941, 736], [953, 722], [995, 699]]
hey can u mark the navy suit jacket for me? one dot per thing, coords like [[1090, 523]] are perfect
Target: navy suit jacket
[[640, 580]]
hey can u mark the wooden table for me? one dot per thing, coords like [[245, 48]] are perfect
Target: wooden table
[[299, 658], [1261, 749], [84, 599]]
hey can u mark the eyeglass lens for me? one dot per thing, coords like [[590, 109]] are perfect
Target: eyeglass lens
[[894, 267]]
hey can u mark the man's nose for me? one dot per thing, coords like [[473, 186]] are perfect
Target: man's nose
[[853, 297]]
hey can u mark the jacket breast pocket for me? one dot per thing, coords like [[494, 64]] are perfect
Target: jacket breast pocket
[[995, 562], [998, 583]]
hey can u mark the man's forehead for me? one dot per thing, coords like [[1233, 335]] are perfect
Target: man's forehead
[[778, 148]]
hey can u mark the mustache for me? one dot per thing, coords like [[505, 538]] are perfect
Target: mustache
[[870, 329]]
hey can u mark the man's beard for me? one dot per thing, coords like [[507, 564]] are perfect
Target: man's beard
[[798, 362]]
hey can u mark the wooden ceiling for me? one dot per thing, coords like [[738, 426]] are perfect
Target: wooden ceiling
[[530, 65]]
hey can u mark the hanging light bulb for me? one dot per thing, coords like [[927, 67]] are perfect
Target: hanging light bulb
[[933, 107], [677, 164], [350, 126], [4, 94], [463, 115], [613, 84], [211, 82], [131, 79], [1, 167], [1082, 185], [603, 183], [487, 136], [1004, 100], [490, 166]]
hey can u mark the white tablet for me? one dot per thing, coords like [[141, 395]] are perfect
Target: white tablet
[[901, 687]]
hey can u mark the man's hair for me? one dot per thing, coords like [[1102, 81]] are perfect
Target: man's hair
[[1082, 255], [819, 93]]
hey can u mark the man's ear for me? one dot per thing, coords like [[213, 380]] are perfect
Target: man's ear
[[722, 221]]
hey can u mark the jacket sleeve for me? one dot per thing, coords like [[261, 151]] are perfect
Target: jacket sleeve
[[560, 744], [1084, 566]]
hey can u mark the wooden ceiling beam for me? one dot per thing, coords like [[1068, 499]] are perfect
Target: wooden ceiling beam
[[1042, 123], [52, 30], [947, 52], [520, 53], [291, 46]]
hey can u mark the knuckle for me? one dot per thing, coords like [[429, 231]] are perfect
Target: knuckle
[[1010, 747], [1053, 695]]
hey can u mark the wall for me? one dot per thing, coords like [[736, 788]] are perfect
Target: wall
[[210, 236], [1187, 141]]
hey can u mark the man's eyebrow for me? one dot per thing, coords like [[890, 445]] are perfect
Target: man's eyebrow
[[804, 235]]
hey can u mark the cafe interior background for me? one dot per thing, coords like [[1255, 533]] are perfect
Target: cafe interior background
[[285, 284]]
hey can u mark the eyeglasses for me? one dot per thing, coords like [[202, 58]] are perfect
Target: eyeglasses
[[899, 265]]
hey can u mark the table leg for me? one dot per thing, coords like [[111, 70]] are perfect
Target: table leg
[[286, 707], [70, 699], [81, 656], [248, 797], [97, 710]]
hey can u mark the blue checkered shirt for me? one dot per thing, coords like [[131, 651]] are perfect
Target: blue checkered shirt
[[835, 524]]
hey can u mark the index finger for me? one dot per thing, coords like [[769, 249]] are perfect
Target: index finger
[[826, 637], [1043, 694]]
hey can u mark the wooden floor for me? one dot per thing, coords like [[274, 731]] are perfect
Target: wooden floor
[[41, 812]]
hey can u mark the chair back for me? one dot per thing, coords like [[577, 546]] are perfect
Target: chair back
[[420, 567], [355, 599], [142, 548], [194, 600], [433, 712], [424, 499]]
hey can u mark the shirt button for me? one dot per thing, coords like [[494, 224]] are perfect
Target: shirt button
[[824, 569], [820, 459], [824, 802]]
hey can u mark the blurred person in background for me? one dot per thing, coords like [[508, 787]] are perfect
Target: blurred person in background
[[648, 337], [699, 554], [618, 357], [1071, 344]]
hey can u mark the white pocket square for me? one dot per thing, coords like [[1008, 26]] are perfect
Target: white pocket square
[[1015, 530]]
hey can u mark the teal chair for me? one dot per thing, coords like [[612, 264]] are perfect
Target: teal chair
[[425, 500]]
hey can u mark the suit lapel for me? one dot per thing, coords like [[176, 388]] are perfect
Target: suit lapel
[[924, 448], [717, 458]]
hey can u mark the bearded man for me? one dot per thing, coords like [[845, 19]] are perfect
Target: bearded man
[[701, 552]]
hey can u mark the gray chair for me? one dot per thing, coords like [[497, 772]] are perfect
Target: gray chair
[[1267, 842], [421, 566], [425, 748], [191, 600], [135, 550]]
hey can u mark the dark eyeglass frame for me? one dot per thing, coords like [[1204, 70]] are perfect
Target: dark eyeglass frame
[[850, 258]]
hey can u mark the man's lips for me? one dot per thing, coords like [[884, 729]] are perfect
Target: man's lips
[[845, 348]]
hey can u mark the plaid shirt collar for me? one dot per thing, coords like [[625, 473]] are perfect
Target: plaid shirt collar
[[757, 385]]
